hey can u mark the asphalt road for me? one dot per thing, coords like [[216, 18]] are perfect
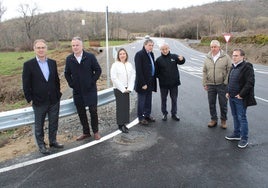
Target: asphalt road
[[165, 154]]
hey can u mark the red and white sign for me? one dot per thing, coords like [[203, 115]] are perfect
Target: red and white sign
[[227, 36]]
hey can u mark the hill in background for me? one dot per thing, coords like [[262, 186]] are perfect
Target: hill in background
[[214, 19]]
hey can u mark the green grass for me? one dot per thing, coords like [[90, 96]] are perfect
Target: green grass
[[16, 105], [114, 43], [102, 43], [11, 62], [4, 137]]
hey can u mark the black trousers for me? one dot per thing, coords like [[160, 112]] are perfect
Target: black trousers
[[82, 113], [40, 112], [213, 92], [122, 107], [173, 92]]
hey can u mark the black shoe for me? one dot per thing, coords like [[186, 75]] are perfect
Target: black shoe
[[164, 117], [126, 127], [150, 119], [124, 130], [175, 118], [56, 145], [44, 150]]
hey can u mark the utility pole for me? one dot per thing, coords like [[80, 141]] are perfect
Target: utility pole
[[107, 51], [196, 31]]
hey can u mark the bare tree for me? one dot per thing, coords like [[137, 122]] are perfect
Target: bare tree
[[230, 18], [2, 10], [30, 19]]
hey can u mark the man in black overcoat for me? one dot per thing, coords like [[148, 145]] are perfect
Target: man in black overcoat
[[82, 71], [145, 81]]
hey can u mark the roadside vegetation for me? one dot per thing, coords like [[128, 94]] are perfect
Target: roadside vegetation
[[11, 63]]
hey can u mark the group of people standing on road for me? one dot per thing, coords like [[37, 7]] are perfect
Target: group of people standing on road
[[222, 78], [142, 79]]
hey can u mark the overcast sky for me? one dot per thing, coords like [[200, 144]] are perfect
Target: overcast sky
[[124, 6]]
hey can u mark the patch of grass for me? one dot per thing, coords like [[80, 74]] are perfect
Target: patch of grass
[[11, 63], [114, 43], [3, 140], [4, 137], [11, 106]]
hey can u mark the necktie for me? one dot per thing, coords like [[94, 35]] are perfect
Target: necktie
[[152, 62]]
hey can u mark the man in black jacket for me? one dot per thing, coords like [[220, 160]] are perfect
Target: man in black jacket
[[145, 81], [240, 93], [82, 71], [41, 87], [169, 79]]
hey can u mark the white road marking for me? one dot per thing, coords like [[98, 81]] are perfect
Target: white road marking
[[265, 100], [197, 72], [55, 155]]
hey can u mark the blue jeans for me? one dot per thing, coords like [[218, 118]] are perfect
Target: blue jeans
[[239, 117], [144, 104]]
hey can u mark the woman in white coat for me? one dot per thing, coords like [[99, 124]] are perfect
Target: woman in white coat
[[123, 78]]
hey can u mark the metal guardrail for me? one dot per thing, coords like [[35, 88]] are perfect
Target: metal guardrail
[[25, 116]]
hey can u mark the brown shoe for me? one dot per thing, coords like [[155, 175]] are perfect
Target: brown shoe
[[223, 124], [150, 119], [82, 137], [144, 122], [97, 136], [212, 123]]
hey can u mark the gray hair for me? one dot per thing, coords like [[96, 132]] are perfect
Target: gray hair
[[39, 40], [215, 42], [78, 38], [148, 41], [163, 44]]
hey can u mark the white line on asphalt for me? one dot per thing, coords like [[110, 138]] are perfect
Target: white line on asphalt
[[265, 100], [195, 74], [52, 156]]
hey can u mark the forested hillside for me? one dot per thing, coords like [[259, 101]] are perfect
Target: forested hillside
[[248, 16]]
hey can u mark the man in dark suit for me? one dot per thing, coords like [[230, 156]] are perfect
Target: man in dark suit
[[145, 81], [82, 71], [41, 86]]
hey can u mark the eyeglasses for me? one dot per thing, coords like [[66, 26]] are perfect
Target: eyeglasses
[[40, 47], [235, 55]]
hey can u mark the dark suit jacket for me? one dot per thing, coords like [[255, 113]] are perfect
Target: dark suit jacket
[[35, 86], [82, 78], [144, 72]]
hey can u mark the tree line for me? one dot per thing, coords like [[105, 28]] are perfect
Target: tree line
[[192, 23]]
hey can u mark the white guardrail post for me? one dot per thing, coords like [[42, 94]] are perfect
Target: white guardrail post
[[25, 116]]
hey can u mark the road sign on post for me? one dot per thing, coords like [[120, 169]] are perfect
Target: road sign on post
[[227, 37]]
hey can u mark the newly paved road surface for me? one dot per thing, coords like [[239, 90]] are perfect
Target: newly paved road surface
[[162, 155]]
